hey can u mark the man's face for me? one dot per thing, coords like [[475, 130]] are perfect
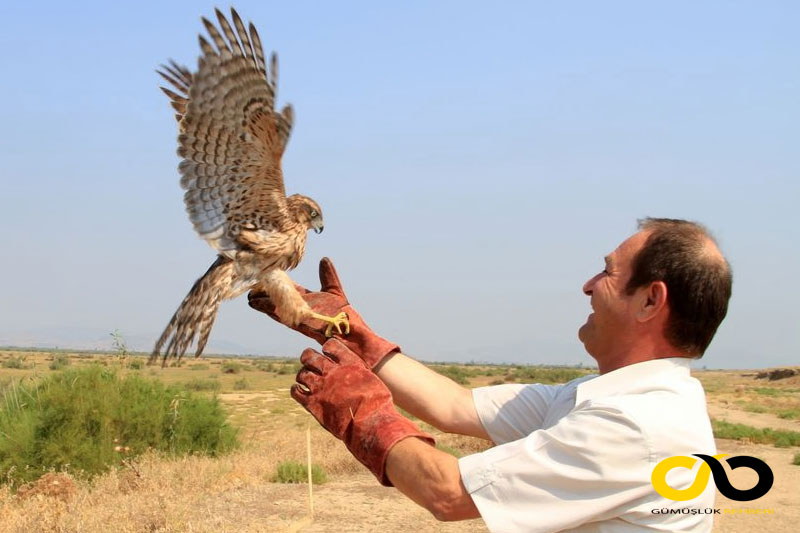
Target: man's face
[[613, 318]]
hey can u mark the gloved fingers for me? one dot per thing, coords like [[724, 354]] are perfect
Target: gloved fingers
[[300, 395], [336, 350], [315, 361], [329, 278], [310, 380]]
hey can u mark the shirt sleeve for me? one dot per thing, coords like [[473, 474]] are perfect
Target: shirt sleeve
[[511, 412], [592, 463]]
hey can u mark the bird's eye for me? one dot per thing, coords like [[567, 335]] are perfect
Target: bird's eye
[[313, 213]]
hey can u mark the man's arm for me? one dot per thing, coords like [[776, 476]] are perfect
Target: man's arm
[[430, 396], [431, 478]]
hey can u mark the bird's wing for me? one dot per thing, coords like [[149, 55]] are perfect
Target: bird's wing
[[231, 137]]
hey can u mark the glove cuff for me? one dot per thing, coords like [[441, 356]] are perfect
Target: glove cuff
[[371, 348], [371, 439]]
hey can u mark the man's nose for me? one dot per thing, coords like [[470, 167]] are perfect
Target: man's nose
[[587, 287]]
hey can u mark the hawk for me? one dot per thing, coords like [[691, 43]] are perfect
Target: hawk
[[231, 139]]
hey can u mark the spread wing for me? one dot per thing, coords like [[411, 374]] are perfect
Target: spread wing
[[231, 138]]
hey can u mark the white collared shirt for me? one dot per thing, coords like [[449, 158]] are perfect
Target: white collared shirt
[[579, 456]]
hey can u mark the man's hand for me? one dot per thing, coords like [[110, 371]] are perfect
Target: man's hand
[[353, 404], [330, 301]]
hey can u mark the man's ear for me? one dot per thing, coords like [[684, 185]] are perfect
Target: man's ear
[[652, 301]]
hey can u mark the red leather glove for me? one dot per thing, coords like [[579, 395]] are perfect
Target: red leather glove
[[353, 404], [330, 301]]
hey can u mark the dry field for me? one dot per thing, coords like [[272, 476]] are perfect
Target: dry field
[[236, 493]]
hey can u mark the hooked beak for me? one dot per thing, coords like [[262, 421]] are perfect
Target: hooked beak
[[319, 229]]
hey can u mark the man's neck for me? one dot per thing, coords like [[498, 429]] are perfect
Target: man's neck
[[646, 350]]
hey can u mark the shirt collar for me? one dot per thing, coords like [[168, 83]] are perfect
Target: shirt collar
[[635, 378]]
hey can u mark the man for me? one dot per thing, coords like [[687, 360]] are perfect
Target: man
[[577, 456]]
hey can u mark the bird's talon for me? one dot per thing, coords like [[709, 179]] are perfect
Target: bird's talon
[[334, 322]]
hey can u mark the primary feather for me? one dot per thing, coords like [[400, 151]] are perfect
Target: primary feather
[[231, 140]]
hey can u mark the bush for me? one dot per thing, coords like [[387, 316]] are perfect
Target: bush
[[289, 368], [265, 367], [456, 373], [135, 364], [537, 374], [796, 460], [59, 362], [241, 384], [203, 385], [74, 420], [231, 368], [777, 437], [17, 362], [295, 472]]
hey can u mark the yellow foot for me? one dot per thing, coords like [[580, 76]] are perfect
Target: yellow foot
[[334, 322]]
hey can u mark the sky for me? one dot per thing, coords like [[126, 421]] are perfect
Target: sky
[[474, 161]]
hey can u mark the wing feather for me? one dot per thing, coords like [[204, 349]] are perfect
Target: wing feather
[[231, 137]]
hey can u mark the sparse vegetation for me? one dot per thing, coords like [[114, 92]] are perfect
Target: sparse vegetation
[[135, 364], [59, 362], [229, 367], [15, 362], [202, 385], [777, 437], [241, 384], [796, 460], [296, 472]]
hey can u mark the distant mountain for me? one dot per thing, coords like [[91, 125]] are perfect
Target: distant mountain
[[97, 339]]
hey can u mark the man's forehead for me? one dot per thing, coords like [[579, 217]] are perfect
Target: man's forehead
[[629, 246]]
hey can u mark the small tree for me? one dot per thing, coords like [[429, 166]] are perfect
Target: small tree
[[119, 345]]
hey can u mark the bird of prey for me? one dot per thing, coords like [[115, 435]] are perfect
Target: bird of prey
[[231, 139]]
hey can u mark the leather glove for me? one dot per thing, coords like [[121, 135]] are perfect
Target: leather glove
[[330, 301], [353, 404]]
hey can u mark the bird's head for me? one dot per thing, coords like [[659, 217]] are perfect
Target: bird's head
[[307, 212]]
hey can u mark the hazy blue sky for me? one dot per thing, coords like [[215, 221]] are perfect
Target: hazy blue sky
[[474, 161]]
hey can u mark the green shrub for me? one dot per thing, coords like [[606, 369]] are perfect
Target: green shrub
[[135, 364], [17, 362], [231, 368], [295, 472], [265, 367], [199, 366], [291, 368], [59, 362], [796, 460], [789, 414], [241, 384], [456, 373], [537, 374], [767, 391], [74, 419], [203, 384], [777, 437]]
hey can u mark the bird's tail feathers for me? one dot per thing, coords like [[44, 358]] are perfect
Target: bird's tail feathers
[[197, 313]]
